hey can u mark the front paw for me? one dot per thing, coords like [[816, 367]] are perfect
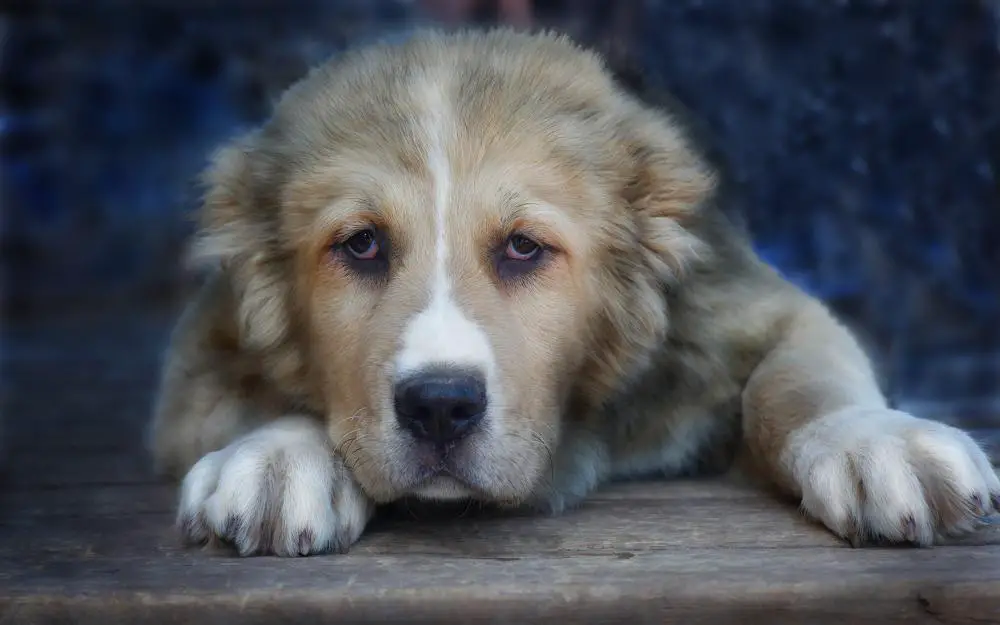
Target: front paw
[[880, 474], [278, 490]]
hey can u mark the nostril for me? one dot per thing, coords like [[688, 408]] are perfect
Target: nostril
[[440, 405], [463, 412]]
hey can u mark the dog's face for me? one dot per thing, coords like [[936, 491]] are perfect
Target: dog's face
[[464, 238]]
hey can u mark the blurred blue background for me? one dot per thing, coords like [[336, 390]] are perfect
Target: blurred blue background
[[863, 138]]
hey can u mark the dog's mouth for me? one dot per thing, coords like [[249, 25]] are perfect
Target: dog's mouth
[[441, 472], [443, 486]]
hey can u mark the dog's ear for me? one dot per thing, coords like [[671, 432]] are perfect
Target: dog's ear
[[668, 190], [239, 233], [675, 166], [667, 185], [226, 231]]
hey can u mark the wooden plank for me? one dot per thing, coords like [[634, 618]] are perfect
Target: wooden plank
[[63, 500], [109, 432], [86, 536], [32, 471], [660, 517], [29, 506], [684, 586], [599, 527]]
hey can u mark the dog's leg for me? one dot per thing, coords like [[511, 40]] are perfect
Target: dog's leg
[[262, 480], [278, 490], [817, 425], [208, 395], [580, 463]]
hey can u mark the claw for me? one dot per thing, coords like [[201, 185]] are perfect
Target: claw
[[978, 506], [855, 535], [192, 529], [910, 529], [306, 539], [231, 528]]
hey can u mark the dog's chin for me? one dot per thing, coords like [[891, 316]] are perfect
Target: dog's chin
[[472, 469], [458, 486], [443, 475], [443, 488]]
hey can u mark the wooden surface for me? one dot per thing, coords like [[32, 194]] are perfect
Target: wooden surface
[[86, 534]]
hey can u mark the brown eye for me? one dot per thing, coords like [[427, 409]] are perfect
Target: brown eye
[[365, 253], [520, 257], [363, 245], [520, 247]]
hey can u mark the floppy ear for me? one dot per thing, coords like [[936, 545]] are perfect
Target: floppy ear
[[239, 234], [667, 193], [226, 231], [651, 250]]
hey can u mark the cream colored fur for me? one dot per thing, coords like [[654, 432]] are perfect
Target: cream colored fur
[[652, 340]]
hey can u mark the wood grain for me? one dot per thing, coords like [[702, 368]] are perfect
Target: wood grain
[[87, 536], [709, 585]]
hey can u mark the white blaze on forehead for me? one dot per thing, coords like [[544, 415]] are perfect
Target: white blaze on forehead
[[441, 334]]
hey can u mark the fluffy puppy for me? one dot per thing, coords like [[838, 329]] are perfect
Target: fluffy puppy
[[471, 265]]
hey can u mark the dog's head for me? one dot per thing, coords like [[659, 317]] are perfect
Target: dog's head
[[453, 245]]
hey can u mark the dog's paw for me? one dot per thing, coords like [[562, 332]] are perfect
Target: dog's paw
[[278, 490], [884, 475]]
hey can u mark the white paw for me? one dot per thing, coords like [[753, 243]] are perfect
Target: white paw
[[278, 490], [881, 474]]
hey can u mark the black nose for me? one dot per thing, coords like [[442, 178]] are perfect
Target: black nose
[[440, 406]]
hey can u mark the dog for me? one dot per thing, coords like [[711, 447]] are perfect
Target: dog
[[472, 265]]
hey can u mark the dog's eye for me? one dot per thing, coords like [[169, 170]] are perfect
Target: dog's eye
[[520, 247], [519, 257], [363, 245], [365, 253]]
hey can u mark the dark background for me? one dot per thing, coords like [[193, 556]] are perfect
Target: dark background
[[863, 139]]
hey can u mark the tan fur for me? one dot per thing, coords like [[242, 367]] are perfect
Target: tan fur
[[654, 341]]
